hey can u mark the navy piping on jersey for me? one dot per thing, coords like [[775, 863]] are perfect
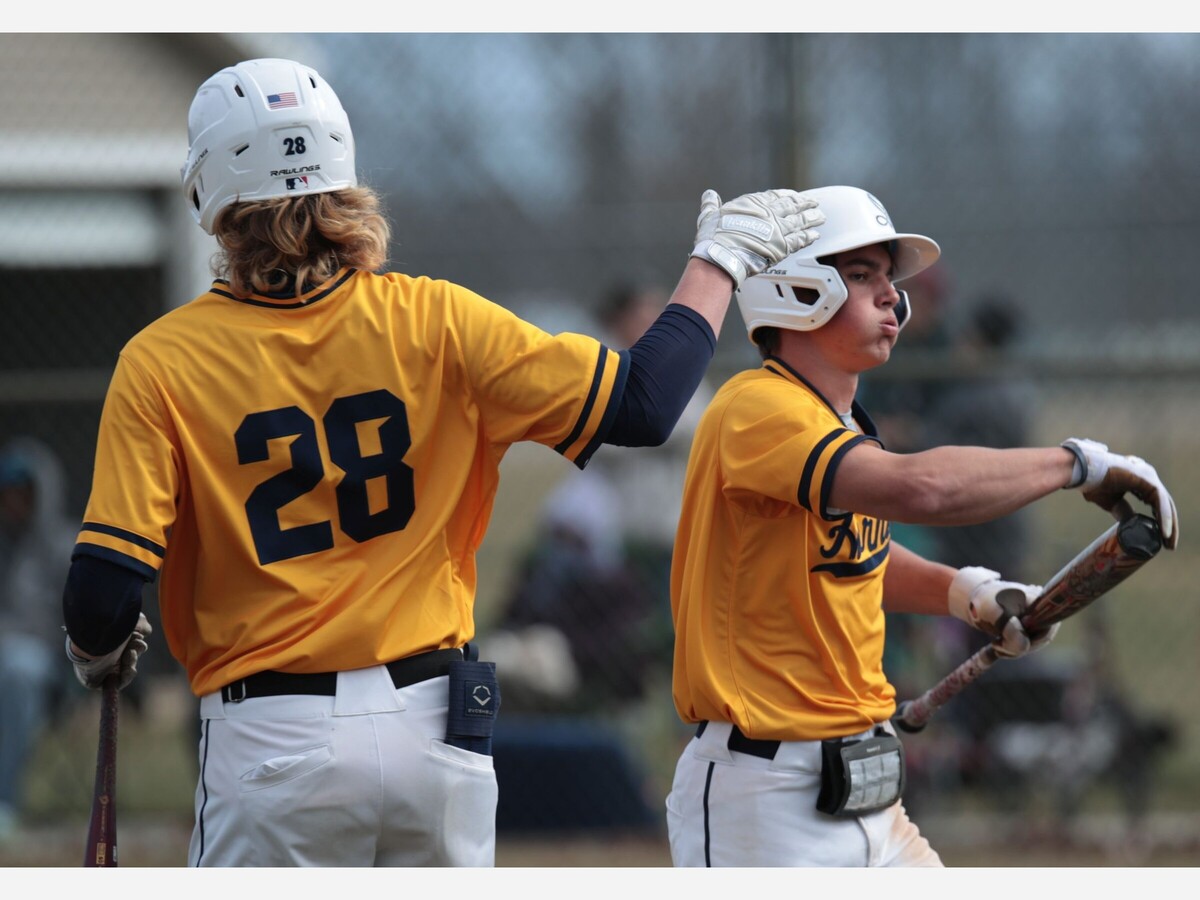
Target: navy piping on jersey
[[283, 296], [827, 485], [856, 410], [610, 414], [810, 466], [135, 539], [862, 567], [593, 390]]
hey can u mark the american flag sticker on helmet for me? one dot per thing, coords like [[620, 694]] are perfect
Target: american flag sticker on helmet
[[279, 101]]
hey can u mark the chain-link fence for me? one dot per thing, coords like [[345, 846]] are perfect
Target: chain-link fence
[[1056, 172]]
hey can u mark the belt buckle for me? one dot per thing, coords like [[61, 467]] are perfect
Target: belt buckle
[[229, 698]]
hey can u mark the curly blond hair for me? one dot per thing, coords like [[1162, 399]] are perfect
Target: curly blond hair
[[294, 243]]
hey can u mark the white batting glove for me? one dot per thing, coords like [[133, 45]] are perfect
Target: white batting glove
[[983, 600], [92, 672], [754, 231], [1106, 477]]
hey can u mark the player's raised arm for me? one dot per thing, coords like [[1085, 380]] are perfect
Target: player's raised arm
[[742, 237], [733, 241]]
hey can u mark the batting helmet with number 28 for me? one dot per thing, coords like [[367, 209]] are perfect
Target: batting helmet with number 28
[[261, 129]]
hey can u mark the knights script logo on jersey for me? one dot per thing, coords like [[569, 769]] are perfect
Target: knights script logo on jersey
[[866, 547]]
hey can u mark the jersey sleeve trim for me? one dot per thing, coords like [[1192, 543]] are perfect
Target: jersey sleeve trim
[[816, 478], [122, 547], [608, 380], [610, 412], [831, 468], [810, 467], [144, 569], [135, 539]]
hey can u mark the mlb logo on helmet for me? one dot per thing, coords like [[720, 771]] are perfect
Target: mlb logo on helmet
[[297, 183]]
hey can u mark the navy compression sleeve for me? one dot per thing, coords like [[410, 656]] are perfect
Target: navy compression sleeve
[[101, 604], [665, 368]]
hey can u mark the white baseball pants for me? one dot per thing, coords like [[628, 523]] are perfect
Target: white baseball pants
[[360, 779], [732, 809]]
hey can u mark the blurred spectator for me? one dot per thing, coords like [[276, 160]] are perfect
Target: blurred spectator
[[991, 404], [964, 389], [575, 646], [576, 632], [648, 481], [899, 400], [584, 640], [36, 538], [1049, 732]]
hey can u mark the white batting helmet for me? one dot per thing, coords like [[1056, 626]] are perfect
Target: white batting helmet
[[261, 129], [801, 294]]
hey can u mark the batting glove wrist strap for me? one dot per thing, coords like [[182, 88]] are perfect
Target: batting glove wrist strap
[[751, 232], [963, 586], [91, 672], [738, 267], [979, 597], [1089, 461]]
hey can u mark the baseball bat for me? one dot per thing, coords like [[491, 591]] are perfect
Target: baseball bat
[[101, 850], [1112, 557]]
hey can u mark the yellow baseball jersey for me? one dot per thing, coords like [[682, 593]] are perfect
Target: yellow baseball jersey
[[313, 476], [777, 599]]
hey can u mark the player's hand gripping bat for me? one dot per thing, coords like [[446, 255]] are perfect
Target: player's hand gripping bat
[[1112, 557], [101, 850]]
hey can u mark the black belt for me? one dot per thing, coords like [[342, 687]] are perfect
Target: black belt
[[742, 744], [406, 671]]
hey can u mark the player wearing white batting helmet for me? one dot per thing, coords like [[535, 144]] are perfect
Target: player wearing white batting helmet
[[784, 562], [803, 293], [264, 128]]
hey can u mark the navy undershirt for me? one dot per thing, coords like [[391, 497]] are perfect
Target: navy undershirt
[[665, 368]]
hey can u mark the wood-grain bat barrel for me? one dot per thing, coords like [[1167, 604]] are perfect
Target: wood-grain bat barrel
[[101, 850], [1112, 557]]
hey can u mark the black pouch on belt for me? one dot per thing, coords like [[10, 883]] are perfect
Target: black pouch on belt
[[474, 703], [861, 776]]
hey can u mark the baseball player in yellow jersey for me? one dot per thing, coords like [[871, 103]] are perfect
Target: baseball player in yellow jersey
[[307, 454], [784, 563]]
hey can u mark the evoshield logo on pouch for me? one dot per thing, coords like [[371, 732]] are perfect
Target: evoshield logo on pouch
[[481, 694]]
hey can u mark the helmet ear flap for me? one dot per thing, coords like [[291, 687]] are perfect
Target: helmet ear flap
[[903, 310]]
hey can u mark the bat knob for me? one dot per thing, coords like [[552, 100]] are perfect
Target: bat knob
[[899, 719], [1140, 537]]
